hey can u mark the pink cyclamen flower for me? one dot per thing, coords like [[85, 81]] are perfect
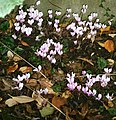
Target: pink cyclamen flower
[[109, 97], [99, 97], [71, 85], [79, 87], [28, 31], [37, 69]]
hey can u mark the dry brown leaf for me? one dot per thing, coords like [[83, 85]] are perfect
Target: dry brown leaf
[[25, 69], [6, 83], [24, 43], [31, 82], [38, 99], [12, 68], [86, 60], [10, 102], [58, 101], [23, 99], [109, 45], [44, 82]]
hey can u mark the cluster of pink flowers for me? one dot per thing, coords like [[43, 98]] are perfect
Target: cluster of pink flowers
[[88, 87], [23, 24], [71, 84], [49, 49], [89, 26], [19, 80]]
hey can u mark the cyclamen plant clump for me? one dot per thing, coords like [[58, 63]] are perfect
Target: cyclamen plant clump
[[49, 31], [88, 86]]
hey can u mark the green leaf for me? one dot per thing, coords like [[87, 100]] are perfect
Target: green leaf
[[102, 63], [112, 111], [7, 6], [46, 111], [4, 26]]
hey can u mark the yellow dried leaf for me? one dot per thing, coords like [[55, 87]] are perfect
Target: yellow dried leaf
[[111, 61], [105, 29], [25, 69], [66, 94], [112, 35], [11, 24], [12, 68], [38, 99], [101, 44], [10, 102], [23, 99], [16, 58], [10, 55], [109, 45]]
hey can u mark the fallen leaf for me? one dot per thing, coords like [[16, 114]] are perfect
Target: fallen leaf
[[110, 103], [104, 30], [50, 91], [16, 58], [109, 45], [66, 94], [24, 43], [58, 101], [101, 44], [112, 35], [6, 83], [12, 68], [10, 102], [111, 61], [25, 69], [38, 99], [23, 99], [31, 82], [47, 110], [11, 24], [44, 82], [86, 60], [10, 55]]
